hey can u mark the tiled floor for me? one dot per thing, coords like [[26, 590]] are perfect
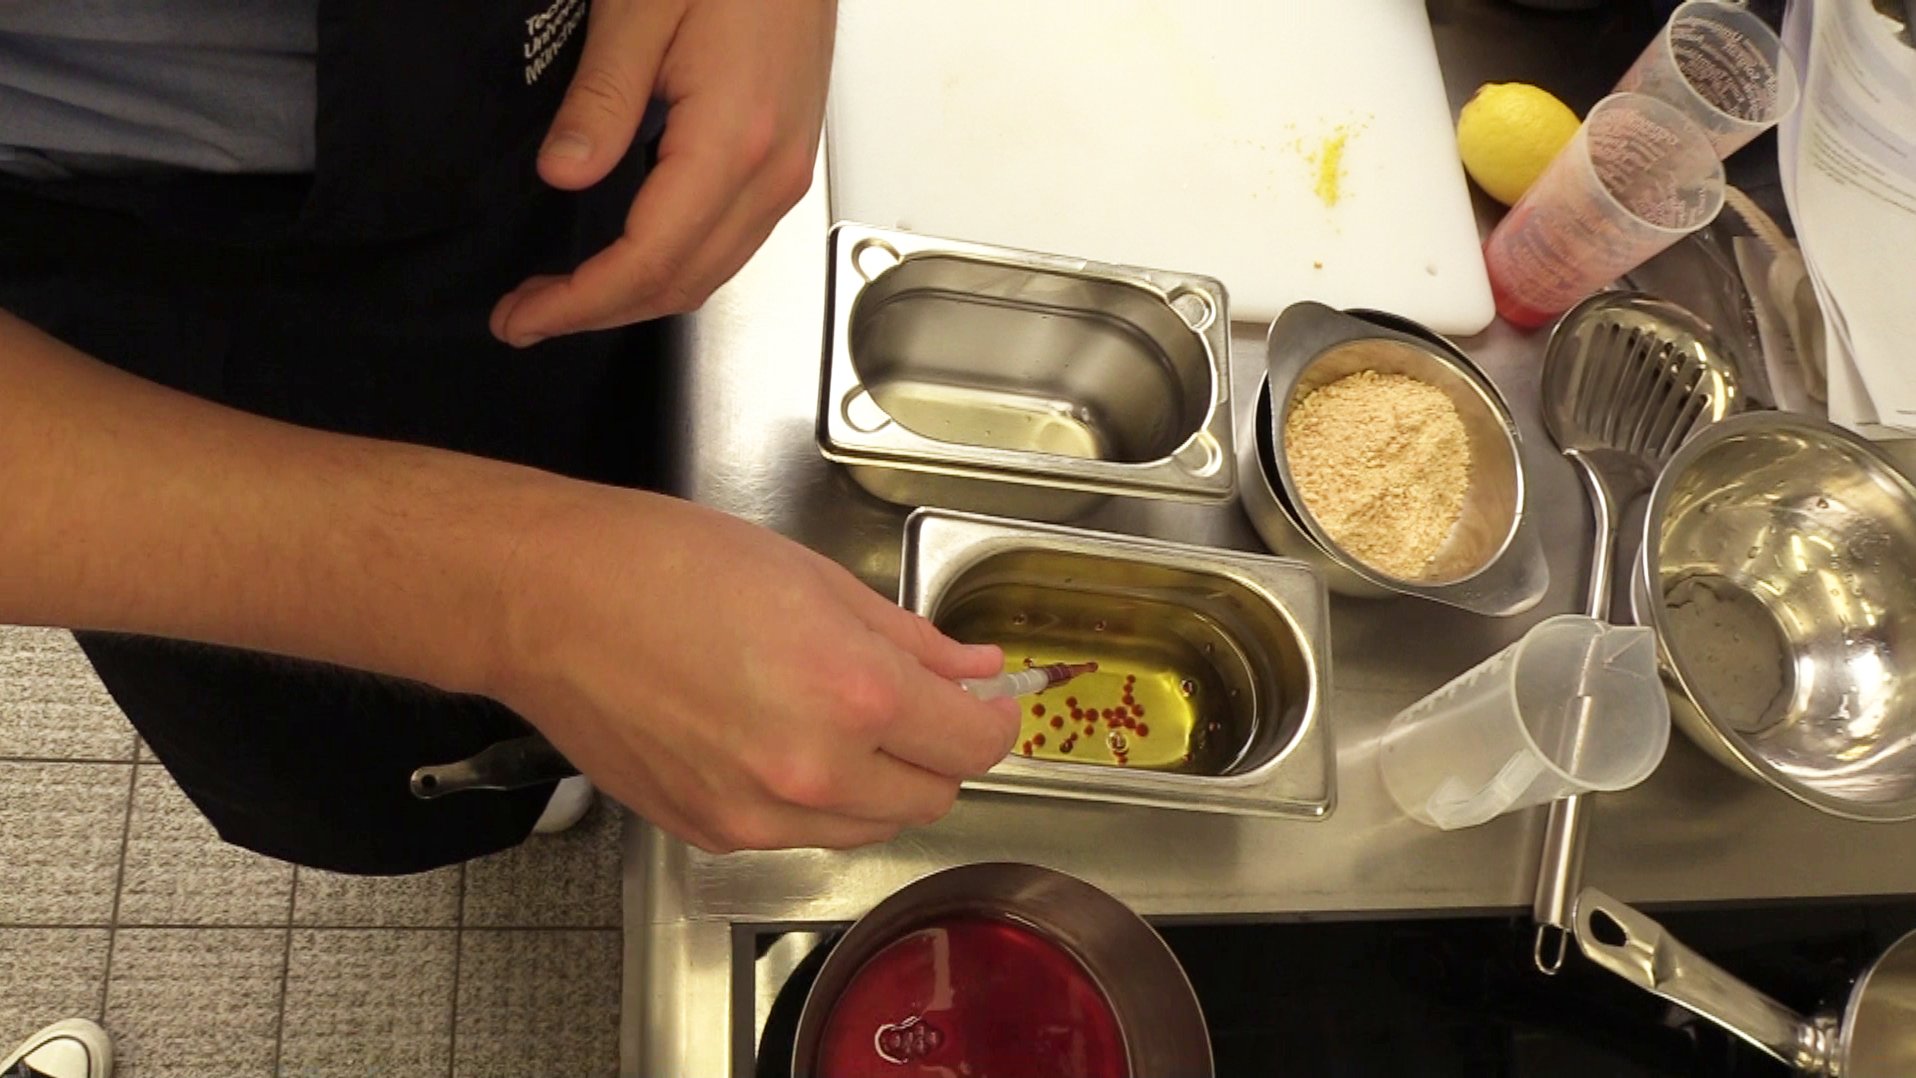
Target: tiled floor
[[119, 903]]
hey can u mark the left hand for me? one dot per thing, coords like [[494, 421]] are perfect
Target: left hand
[[745, 81]]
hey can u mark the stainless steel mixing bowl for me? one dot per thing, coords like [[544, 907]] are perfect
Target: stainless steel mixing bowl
[[1779, 571], [1493, 562]]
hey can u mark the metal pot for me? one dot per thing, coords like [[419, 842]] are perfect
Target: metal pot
[[1873, 1037], [1156, 1009]]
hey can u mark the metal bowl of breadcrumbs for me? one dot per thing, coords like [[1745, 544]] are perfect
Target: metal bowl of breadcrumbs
[[1401, 462]]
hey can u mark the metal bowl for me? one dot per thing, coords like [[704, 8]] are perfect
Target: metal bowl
[[1493, 562], [1156, 1008], [1778, 569]]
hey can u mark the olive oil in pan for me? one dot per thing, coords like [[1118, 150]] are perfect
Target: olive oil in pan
[[1156, 701], [994, 419]]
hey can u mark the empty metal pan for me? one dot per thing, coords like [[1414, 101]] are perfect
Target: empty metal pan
[[1873, 1037]]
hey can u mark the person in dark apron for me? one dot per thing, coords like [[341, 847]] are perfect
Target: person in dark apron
[[355, 301], [366, 299]]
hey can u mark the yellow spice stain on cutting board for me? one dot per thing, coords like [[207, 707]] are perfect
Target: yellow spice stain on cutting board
[[1328, 162], [1326, 159]]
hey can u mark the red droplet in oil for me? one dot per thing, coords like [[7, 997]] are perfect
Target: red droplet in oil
[[1066, 746], [1057, 722], [1027, 748], [1038, 740], [1144, 729], [1071, 702], [976, 996], [1038, 710], [1090, 731]]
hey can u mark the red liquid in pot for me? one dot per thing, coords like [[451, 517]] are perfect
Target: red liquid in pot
[[972, 998]]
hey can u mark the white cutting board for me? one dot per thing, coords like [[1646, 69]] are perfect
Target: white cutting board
[[1172, 135]]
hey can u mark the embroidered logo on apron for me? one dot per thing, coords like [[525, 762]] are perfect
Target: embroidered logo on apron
[[547, 33]]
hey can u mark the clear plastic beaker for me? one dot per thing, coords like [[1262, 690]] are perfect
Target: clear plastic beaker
[[1635, 178], [1575, 706], [1723, 66]]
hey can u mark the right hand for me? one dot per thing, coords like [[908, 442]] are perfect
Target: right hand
[[733, 687]]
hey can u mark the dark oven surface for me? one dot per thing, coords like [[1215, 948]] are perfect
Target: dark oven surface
[[1459, 997]]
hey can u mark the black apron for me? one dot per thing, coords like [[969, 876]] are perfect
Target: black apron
[[353, 300]]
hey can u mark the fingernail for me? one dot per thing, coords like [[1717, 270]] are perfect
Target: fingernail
[[567, 146]]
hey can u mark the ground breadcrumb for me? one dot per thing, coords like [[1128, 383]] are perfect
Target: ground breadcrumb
[[1382, 462]]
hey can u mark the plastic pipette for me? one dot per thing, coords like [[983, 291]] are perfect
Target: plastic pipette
[[1024, 682]]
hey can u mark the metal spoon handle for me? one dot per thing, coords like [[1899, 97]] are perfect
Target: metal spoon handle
[[1560, 871]]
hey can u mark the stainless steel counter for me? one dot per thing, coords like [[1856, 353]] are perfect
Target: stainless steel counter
[[745, 400]]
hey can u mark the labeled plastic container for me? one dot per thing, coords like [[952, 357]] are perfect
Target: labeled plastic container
[[1638, 176], [1575, 706], [1723, 66]]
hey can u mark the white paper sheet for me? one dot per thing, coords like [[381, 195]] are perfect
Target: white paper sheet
[[1849, 176]]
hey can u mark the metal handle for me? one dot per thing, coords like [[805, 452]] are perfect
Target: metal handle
[[506, 765], [1561, 869], [1636, 948], [1557, 875]]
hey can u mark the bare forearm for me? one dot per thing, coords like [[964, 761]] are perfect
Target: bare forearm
[[130, 507]]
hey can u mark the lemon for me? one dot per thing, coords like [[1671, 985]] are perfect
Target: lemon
[[1507, 133]]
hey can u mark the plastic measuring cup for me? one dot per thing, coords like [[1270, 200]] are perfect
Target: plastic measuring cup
[[1723, 66], [1575, 706], [1635, 178]]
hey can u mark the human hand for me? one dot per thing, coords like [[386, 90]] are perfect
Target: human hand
[[745, 81], [733, 687]]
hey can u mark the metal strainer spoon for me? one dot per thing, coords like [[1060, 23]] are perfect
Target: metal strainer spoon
[[1626, 380]]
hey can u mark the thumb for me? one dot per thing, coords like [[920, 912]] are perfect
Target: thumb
[[625, 42]]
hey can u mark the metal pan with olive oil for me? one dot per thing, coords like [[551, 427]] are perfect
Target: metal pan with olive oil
[[1213, 665]]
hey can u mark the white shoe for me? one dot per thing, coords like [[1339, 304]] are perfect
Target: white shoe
[[569, 802], [75, 1048]]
